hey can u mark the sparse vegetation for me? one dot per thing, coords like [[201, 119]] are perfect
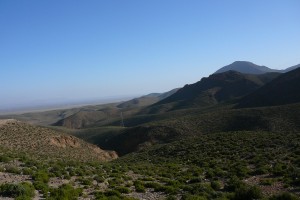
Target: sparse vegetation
[[213, 152]]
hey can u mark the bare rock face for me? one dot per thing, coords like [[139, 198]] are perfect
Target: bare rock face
[[107, 155], [64, 141], [48, 143]]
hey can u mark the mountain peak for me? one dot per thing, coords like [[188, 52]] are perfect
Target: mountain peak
[[245, 67], [242, 62]]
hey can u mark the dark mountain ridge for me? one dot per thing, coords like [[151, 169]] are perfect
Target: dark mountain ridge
[[284, 89], [217, 88], [292, 68]]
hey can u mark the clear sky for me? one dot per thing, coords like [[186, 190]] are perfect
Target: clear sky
[[61, 50]]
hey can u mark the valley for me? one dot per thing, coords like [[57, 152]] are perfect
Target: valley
[[234, 135]]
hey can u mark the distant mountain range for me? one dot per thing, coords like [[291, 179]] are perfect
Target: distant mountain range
[[87, 117], [242, 83], [251, 68], [147, 100]]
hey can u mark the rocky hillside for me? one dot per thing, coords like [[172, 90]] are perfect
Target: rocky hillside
[[44, 142]]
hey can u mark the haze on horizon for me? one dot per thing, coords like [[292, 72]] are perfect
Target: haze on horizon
[[73, 51]]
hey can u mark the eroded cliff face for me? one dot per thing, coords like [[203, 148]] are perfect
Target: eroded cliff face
[[65, 141], [40, 141]]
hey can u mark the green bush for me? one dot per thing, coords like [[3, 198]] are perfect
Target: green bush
[[65, 192], [99, 179], [110, 193], [85, 181], [233, 184], [266, 181], [41, 186], [139, 187], [27, 171], [17, 190], [154, 185], [284, 196], [168, 189], [4, 158], [12, 169], [216, 185], [247, 193], [122, 189], [41, 176], [193, 197]]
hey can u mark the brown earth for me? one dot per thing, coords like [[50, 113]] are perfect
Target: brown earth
[[40, 141]]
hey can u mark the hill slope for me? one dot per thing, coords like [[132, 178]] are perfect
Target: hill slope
[[246, 68], [292, 68], [217, 88], [22, 137], [85, 118], [182, 124], [146, 100], [283, 90]]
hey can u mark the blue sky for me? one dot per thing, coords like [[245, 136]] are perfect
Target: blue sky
[[63, 50]]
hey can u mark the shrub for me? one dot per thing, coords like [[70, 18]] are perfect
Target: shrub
[[266, 181], [85, 181], [247, 193], [279, 169], [152, 185], [99, 179], [41, 176], [284, 196], [216, 185], [17, 190], [27, 171], [168, 189], [261, 170], [65, 192], [12, 169], [233, 184], [112, 193], [4, 158], [122, 189], [139, 187], [193, 197], [195, 180], [41, 186], [171, 197]]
